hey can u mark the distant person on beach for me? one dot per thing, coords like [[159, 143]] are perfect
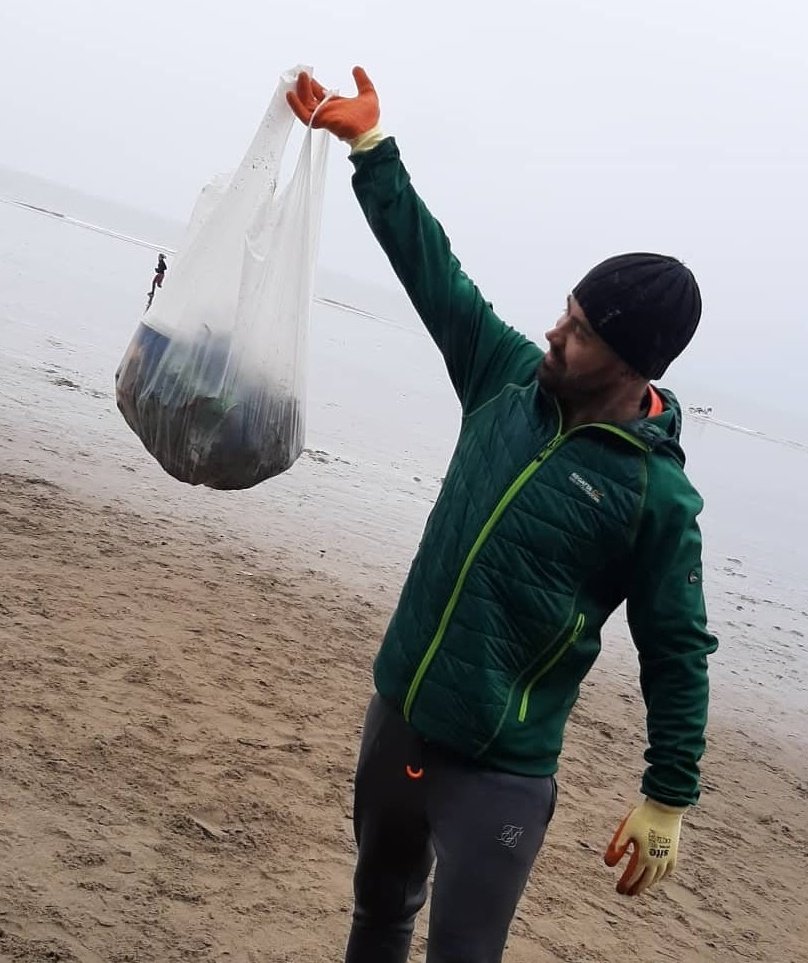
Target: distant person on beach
[[157, 281], [565, 497]]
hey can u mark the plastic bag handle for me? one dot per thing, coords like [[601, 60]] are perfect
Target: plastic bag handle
[[329, 95]]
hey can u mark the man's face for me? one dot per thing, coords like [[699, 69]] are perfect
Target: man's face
[[579, 364]]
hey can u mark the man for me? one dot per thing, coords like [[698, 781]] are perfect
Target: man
[[157, 280], [565, 496]]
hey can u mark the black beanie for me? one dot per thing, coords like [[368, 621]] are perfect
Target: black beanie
[[646, 307]]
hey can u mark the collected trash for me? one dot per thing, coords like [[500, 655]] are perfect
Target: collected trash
[[213, 381]]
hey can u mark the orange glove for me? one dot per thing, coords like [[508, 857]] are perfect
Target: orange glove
[[346, 117], [652, 831]]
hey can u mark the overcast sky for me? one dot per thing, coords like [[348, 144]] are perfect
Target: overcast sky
[[546, 135]]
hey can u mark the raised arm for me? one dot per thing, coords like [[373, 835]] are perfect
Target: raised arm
[[481, 352]]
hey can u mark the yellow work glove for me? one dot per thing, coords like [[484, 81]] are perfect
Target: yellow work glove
[[652, 831]]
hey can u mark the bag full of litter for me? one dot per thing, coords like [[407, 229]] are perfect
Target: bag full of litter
[[214, 379]]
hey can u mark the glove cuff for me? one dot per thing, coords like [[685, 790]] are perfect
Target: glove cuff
[[367, 141]]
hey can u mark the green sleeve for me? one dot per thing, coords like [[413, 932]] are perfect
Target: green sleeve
[[668, 622], [482, 353]]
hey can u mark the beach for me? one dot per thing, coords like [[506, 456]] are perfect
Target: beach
[[185, 672]]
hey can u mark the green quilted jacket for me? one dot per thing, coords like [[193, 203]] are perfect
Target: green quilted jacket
[[537, 536]]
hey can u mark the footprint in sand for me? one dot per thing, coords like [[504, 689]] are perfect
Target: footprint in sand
[[324, 457], [62, 382]]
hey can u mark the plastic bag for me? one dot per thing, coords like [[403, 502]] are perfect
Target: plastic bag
[[213, 381]]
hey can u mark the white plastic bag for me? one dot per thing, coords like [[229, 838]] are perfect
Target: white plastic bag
[[214, 379]]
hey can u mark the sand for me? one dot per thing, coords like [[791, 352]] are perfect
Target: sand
[[179, 724]]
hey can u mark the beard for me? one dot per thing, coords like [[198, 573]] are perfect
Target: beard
[[555, 378], [552, 375]]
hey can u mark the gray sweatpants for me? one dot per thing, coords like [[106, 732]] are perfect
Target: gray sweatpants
[[416, 804]]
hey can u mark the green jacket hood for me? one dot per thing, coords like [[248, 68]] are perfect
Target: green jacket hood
[[663, 432], [660, 434]]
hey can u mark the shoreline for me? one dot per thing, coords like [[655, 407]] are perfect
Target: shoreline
[[354, 518]]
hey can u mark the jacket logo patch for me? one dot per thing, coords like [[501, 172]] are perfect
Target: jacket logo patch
[[585, 487]]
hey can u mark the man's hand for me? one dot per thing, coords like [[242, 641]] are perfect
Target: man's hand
[[652, 831], [346, 117]]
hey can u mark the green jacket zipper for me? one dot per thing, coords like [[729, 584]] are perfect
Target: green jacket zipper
[[571, 639], [511, 492]]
